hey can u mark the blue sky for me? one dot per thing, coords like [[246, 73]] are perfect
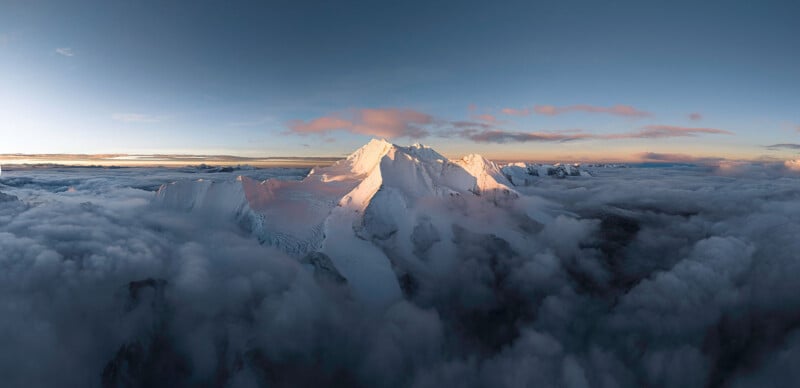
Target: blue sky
[[264, 79]]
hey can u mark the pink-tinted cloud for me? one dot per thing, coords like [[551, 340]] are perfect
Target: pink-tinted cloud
[[694, 116], [549, 110], [797, 128], [661, 131], [617, 110], [320, 125], [516, 112], [388, 123], [487, 118], [486, 128]]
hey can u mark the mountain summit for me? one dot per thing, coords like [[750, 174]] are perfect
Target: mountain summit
[[353, 209]]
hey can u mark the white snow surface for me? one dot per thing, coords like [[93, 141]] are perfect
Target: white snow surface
[[357, 209]]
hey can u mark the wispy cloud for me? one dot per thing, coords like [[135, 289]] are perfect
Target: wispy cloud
[[388, 123], [695, 116], [65, 51], [135, 118], [516, 112], [675, 158], [552, 110], [660, 131], [482, 115], [463, 125], [489, 118], [617, 110], [783, 146], [501, 136], [494, 135]]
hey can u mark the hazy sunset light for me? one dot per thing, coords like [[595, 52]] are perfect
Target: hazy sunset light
[[421, 193]]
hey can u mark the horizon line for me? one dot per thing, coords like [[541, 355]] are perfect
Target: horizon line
[[191, 160]]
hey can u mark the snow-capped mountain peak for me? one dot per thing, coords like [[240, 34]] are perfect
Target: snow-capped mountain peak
[[336, 210], [366, 158], [487, 174]]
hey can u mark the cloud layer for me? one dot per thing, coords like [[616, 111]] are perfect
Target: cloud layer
[[648, 277]]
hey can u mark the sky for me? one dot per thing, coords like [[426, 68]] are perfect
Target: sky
[[528, 80]]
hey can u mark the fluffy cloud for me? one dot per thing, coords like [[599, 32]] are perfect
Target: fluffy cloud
[[792, 165], [645, 277]]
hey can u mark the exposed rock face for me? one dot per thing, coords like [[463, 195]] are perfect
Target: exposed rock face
[[323, 267], [150, 360]]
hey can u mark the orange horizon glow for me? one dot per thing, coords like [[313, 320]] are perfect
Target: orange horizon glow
[[632, 155]]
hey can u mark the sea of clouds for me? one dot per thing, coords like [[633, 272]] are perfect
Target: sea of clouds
[[662, 277]]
